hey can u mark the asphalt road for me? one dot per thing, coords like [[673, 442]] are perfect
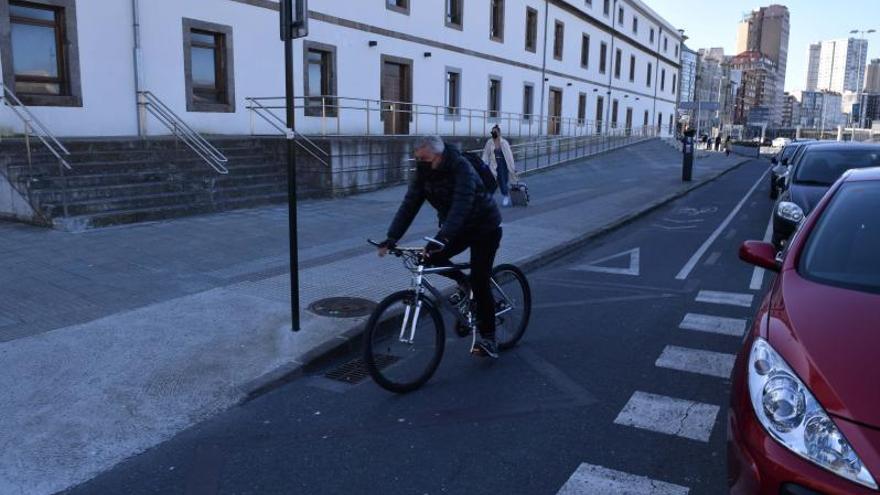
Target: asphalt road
[[607, 393]]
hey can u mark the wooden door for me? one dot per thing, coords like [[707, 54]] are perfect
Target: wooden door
[[396, 97], [554, 122]]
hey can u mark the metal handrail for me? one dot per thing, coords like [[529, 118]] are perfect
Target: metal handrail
[[31, 122], [198, 144], [477, 121], [275, 121]]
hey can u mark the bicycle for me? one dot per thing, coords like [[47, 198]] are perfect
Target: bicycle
[[402, 351]]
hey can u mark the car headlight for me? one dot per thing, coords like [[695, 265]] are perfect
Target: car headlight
[[790, 211], [790, 413]]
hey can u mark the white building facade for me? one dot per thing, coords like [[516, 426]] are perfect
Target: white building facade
[[367, 66], [842, 65]]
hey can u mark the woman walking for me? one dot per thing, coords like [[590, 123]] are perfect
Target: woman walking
[[499, 156]]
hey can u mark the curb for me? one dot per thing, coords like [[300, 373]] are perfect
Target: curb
[[349, 339]]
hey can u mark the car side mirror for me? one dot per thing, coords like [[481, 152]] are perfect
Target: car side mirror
[[761, 254]]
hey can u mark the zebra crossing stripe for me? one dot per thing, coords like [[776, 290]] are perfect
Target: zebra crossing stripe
[[730, 298], [661, 414], [696, 361], [597, 480], [734, 327]]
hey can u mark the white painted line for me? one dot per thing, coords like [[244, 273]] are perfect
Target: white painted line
[[597, 480], [758, 273], [729, 298], [734, 327], [689, 266], [633, 269], [661, 414], [697, 361]]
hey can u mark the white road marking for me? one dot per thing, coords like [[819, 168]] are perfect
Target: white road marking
[[689, 266], [729, 298], [661, 414], [696, 361], [633, 269], [597, 480], [734, 327], [758, 273]]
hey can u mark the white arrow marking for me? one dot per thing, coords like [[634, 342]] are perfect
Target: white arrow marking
[[633, 270]]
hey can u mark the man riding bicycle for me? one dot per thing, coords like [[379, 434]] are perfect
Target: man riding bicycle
[[469, 218]]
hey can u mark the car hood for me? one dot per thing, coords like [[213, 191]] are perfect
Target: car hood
[[830, 337], [807, 197]]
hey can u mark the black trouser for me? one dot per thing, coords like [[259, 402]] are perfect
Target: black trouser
[[483, 245]]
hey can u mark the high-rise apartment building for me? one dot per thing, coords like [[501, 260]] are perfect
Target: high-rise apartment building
[[814, 54], [872, 77], [842, 65], [766, 31]]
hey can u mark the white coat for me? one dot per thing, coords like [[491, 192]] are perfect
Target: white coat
[[489, 158]]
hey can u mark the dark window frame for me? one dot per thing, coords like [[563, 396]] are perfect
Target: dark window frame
[[635, 24], [632, 68], [621, 16], [448, 15], [496, 33], [558, 39], [226, 69], [331, 108], [615, 107], [531, 30], [651, 36], [647, 119], [67, 45], [452, 109], [674, 82], [528, 101], [603, 57], [618, 59], [494, 114], [585, 51], [606, 8], [662, 79], [404, 9], [582, 108], [650, 74], [600, 113]]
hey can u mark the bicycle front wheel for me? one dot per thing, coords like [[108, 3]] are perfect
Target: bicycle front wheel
[[404, 342], [513, 304]]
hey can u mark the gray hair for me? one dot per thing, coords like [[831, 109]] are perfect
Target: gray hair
[[433, 143]]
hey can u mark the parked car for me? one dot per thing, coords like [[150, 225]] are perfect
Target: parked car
[[816, 167], [804, 413], [781, 162], [780, 142]]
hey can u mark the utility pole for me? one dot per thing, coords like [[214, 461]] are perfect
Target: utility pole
[[294, 24]]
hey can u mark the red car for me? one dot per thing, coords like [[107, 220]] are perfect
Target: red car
[[804, 416]]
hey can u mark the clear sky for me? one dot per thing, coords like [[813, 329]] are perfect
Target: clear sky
[[709, 23]]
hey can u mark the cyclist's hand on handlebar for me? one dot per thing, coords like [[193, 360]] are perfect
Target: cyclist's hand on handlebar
[[432, 248], [385, 246]]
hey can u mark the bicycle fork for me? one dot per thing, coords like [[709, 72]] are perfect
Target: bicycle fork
[[413, 310]]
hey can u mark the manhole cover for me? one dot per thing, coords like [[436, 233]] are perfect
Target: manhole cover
[[342, 307]]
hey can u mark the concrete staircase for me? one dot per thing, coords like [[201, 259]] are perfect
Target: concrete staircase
[[130, 180]]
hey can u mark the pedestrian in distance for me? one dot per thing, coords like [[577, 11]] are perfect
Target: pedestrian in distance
[[727, 146], [499, 156], [718, 142]]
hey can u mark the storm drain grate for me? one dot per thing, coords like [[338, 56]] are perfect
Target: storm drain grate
[[355, 371], [342, 307]]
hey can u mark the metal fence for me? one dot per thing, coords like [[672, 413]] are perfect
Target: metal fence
[[345, 116]]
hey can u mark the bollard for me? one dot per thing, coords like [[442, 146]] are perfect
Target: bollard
[[687, 150]]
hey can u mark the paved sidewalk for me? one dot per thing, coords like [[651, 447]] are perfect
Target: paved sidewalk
[[113, 340]]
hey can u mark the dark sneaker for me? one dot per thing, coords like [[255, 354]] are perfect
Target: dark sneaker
[[485, 347]]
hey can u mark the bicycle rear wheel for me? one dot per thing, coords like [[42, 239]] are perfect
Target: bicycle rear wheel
[[404, 342], [513, 304]]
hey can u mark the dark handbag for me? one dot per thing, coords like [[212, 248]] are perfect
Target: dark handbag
[[519, 194]]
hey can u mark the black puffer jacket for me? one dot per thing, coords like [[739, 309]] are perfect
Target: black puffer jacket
[[456, 191]]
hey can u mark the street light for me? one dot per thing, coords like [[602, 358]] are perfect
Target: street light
[[860, 80]]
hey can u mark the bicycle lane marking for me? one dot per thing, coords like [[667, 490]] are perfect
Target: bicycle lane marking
[[692, 262]]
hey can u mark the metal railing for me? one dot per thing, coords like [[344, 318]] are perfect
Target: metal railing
[[34, 125], [259, 110], [345, 116], [198, 144]]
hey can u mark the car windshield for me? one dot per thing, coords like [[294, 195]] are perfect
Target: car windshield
[[842, 251], [824, 167]]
